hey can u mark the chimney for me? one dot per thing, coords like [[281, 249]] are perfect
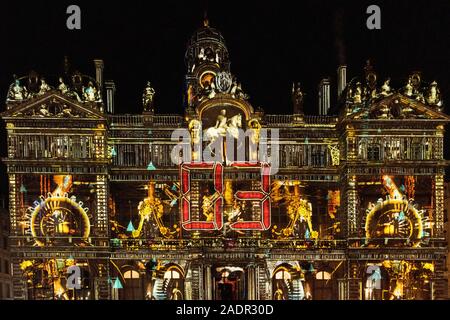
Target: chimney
[[341, 79], [110, 93], [324, 96], [99, 71]]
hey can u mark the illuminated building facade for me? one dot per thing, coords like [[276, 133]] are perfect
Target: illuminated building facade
[[293, 206], [5, 258]]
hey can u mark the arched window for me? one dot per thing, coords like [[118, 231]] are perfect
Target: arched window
[[323, 286], [132, 287], [282, 274], [172, 274], [323, 275], [131, 274]]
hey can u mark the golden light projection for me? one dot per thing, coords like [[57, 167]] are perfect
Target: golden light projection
[[52, 274], [152, 208], [394, 217], [397, 279], [297, 209]]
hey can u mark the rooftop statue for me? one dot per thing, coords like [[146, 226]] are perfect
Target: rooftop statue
[[17, 92], [357, 95], [434, 95], [408, 90], [44, 87], [385, 88], [236, 90], [90, 93], [62, 86], [297, 98]]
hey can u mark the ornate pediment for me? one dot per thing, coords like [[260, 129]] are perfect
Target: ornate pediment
[[54, 105], [395, 106]]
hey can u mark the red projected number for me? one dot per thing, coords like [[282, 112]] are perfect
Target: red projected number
[[186, 222], [262, 196]]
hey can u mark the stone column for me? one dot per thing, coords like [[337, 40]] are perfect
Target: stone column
[[251, 282], [342, 289], [103, 287], [13, 203], [350, 196], [208, 282], [19, 283], [439, 286], [257, 284], [439, 206], [354, 289], [101, 221]]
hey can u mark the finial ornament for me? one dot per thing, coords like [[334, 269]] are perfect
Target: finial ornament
[[205, 19]]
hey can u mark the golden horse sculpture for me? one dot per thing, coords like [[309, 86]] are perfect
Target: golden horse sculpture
[[296, 209], [153, 207]]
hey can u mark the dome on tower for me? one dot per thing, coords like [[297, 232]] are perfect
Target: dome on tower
[[206, 46]]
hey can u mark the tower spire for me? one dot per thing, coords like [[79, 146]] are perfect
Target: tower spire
[[205, 18]]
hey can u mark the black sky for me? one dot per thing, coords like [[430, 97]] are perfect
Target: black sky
[[270, 44]]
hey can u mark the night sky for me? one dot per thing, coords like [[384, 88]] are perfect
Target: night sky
[[271, 44]]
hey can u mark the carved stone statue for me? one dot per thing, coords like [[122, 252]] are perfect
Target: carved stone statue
[[44, 87], [237, 91], [212, 90], [408, 90], [297, 98], [190, 96], [233, 88], [357, 95], [221, 123], [194, 128], [385, 88], [208, 91], [62, 86], [434, 95], [43, 111], [147, 97], [17, 92], [201, 56]]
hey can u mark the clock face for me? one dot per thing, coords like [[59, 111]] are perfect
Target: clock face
[[394, 218], [207, 78], [57, 218]]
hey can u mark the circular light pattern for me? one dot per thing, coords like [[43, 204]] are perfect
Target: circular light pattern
[[394, 218], [206, 78], [58, 216]]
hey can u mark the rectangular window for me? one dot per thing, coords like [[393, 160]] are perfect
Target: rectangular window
[[417, 152], [373, 152]]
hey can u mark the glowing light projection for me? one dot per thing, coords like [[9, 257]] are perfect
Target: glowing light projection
[[152, 208], [58, 215], [394, 217], [214, 220]]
